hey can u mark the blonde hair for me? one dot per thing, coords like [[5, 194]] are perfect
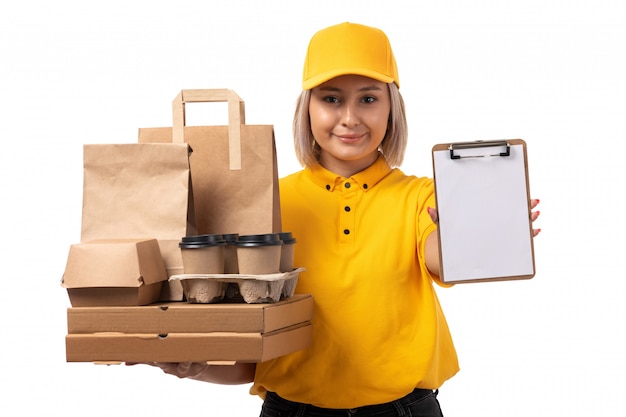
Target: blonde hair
[[392, 147]]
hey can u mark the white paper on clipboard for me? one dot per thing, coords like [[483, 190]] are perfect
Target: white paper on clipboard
[[485, 231]]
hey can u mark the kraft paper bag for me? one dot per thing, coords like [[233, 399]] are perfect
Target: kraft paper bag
[[139, 191], [233, 168]]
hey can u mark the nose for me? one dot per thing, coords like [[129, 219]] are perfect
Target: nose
[[350, 115]]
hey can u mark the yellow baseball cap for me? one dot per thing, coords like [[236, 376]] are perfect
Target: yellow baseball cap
[[349, 48]]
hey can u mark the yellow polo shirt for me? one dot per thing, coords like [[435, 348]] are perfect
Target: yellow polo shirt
[[378, 328]]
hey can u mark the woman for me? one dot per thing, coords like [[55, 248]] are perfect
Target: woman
[[367, 238]]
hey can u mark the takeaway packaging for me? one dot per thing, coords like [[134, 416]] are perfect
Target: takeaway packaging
[[114, 272], [234, 170], [134, 190], [184, 332]]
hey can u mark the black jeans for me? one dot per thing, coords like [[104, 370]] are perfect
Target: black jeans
[[419, 403]]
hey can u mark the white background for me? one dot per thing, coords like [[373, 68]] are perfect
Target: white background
[[550, 72]]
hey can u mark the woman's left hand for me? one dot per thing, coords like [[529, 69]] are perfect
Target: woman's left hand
[[534, 214]]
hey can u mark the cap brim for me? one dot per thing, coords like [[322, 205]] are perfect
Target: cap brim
[[329, 75]]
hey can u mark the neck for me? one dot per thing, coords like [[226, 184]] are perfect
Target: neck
[[346, 169]]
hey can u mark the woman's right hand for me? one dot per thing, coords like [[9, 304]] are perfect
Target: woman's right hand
[[238, 373]]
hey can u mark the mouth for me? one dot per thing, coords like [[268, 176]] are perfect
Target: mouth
[[349, 138]]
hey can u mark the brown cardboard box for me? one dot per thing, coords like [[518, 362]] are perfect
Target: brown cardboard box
[[115, 272], [187, 347], [182, 317], [185, 332]]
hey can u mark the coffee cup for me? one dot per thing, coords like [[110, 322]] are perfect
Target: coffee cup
[[203, 254], [230, 254], [287, 251], [259, 254]]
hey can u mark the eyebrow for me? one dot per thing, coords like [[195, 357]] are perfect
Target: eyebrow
[[366, 88]]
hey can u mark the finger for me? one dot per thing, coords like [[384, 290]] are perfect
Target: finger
[[167, 367], [533, 203], [434, 215], [534, 215], [536, 232], [183, 367]]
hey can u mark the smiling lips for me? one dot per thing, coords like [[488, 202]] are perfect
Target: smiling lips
[[350, 137]]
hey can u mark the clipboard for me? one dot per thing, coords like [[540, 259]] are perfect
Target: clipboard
[[483, 201]]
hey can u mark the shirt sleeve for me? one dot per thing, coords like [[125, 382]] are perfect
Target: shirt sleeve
[[425, 226]]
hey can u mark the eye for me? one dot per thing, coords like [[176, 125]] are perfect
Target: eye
[[369, 99], [331, 99]]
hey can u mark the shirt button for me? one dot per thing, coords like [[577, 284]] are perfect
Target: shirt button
[[347, 185], [365, 186], [346, 232], [347, 208], [327, 187]]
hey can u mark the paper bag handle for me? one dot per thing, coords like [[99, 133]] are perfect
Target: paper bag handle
[[236, 117]]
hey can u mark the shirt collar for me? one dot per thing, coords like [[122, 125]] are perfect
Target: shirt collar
[[365, 179]]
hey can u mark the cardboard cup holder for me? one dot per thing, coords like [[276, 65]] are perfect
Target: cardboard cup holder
[[253, 289], [198, 290], [231, 267]]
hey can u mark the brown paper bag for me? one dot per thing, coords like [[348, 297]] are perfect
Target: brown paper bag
[[233, 168], [139, 191]]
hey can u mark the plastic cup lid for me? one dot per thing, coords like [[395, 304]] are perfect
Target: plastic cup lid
[[267, 239], [231, 238], [287, 238], [202, 241]]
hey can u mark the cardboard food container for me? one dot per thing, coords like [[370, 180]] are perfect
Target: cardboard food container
[[181, 317], [263, 288], [114, 272], [184, 332], [187, 347]]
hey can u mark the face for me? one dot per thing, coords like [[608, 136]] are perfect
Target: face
[[349, 118]]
